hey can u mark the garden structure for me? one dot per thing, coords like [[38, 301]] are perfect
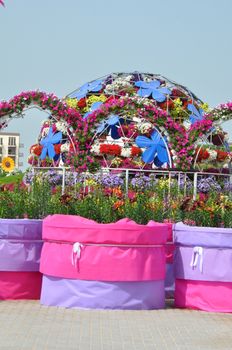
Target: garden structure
[[129, 145]]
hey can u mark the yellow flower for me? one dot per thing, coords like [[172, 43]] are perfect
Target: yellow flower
[[90, 182], [93, 98], [205, 107], [71, 102], [177, 103], [7, 164]]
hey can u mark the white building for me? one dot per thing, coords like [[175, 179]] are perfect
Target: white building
[[10, 147]]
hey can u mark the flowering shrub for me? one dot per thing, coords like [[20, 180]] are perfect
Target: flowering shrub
[[103, 198]]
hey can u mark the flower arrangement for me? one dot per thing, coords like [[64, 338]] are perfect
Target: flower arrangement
[[137, 104], [137, 110]]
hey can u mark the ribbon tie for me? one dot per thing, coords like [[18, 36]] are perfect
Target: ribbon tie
[[197, 253], [76, 254]]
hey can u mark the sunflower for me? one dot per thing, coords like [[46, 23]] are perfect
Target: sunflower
[[7, 164]]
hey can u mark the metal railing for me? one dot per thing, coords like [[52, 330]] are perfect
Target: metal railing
[[127, 174]]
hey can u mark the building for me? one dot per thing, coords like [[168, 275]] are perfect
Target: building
[[10, 147]]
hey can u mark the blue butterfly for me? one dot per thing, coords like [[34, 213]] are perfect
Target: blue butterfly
[[156, 149], [152, 88], [48, 142], [111, 124], [197, 115], [94, 86], [93, 107]]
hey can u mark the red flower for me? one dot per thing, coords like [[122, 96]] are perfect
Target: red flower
[[185, 103], [177, 93], [202, 155], [166, 104], [221, 155], [36, 149], [110, 149], [135, 151], [132, 195], [57, 148], [118, 204], [81, 103]]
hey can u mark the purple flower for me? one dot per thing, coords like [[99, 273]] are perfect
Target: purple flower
[[208, 184], [109, 180]]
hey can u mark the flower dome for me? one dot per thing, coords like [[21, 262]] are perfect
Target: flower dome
[[125, 120], [128, 136]]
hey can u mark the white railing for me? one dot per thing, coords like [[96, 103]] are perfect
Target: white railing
[[127, 173]]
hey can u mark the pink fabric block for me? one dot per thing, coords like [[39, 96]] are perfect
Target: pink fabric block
[[20, 285], [204, 295], [141, 258], [104, 263], [75, 228]]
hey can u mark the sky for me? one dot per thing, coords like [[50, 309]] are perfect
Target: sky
[[57, 45]]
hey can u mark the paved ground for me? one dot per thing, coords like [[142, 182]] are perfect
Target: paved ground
[[26, 325]]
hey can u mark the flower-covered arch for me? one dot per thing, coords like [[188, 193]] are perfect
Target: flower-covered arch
[[61, 115], [169, 118], [214, 151]]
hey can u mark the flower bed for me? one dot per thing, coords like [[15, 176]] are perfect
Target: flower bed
[[116, 266], [20, 249], [203, 268]]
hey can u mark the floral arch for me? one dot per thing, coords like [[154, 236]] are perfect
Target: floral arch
[[214, 151], [173, 124]]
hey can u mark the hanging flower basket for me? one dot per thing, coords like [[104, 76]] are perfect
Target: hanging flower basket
[[203, 268], [103, 266], [20, 249]]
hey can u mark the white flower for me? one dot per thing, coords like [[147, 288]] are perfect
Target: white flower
[[126, 152], [60, 126], [95, 148], [144, 127], [212, 155], [173, 152], [136, 120], [64, 147]]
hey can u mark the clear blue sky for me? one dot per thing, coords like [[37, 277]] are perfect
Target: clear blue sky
[[57, 45]]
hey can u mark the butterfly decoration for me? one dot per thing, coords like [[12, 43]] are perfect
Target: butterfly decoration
[[152, 88], [197, 115], [156, 149], [93, 86], [48, 144], [111, 124], [93, 108]]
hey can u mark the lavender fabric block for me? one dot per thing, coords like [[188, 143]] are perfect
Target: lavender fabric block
[[20, 244], [72, 293], [21, 229], [216, 264], [202, 236], [20, 256], [203, 253]]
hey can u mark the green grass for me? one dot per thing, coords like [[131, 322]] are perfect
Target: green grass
[[11, 179]]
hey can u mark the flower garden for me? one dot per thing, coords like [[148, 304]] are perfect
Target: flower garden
[[129, 146]]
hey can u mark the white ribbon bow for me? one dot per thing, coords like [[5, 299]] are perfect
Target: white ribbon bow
[[76, 254], [197, 253]]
